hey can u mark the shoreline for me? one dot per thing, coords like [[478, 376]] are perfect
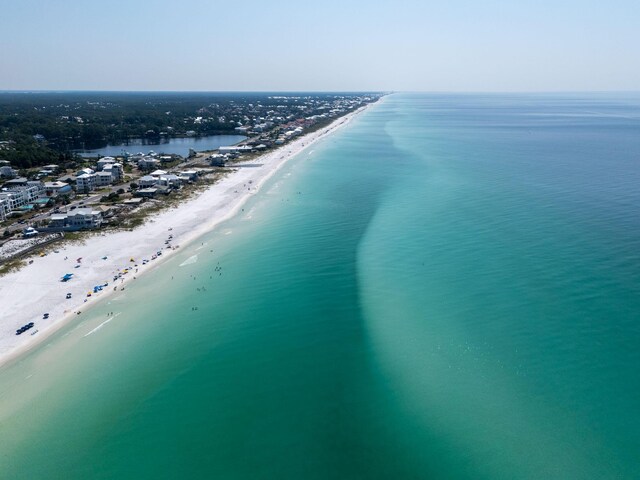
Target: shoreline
[[36, 288]]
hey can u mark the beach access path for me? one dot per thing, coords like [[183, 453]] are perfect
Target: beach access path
[[35, 289]]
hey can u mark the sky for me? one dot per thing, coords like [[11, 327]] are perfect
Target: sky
[[332, 45]]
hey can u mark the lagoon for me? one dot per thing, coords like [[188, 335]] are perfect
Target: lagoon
[[178, 146]]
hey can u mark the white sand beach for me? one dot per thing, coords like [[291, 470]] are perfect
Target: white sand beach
[[25, 295]]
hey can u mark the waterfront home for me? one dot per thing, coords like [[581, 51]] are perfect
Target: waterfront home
[[147, 192], [169, 180], [217, 160], [133, 201], [235, 149], [78, 219], [82, 218], [188, 175], [57, 220]]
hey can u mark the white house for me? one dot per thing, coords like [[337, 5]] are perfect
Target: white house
[[53, 189], [147, 181], [234, 149], [188, 175], [117, 173], [79, 219], [84, 218], [169, 180], [86, 183], [158, 173], [103, 179], [85, 171], [20, 192], [147, 192], [104, 161], [148, 163]]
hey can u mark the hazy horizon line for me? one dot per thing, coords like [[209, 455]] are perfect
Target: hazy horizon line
[[386, 92]]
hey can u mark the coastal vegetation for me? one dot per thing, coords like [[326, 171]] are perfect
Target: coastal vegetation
[[11, 266], [41, 128]]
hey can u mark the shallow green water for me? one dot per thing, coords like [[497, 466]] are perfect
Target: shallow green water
[[447, 288]]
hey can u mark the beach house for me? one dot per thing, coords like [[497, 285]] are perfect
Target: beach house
[[235, 149], [188, 175], [169, 180], [147, 192], [217, 160], [79, 219]]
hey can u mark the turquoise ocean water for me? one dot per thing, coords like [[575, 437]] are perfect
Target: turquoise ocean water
[[448, 288]]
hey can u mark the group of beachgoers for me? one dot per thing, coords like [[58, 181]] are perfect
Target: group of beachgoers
[[121, 273]]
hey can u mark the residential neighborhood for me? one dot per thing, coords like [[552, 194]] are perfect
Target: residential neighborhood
[[93, 192]]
